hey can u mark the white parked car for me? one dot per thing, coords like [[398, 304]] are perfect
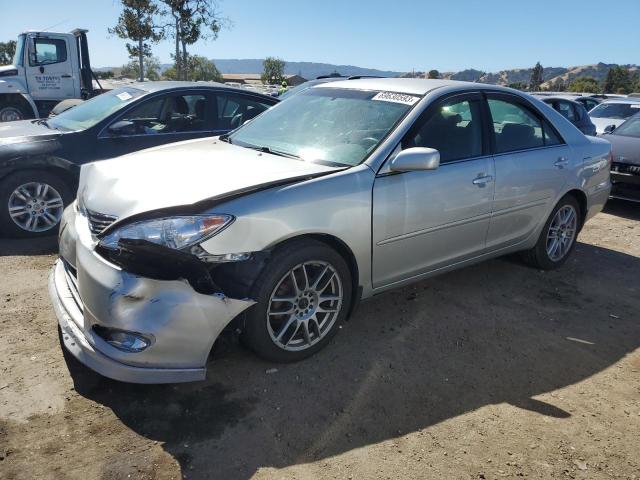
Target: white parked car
[[613, 112]]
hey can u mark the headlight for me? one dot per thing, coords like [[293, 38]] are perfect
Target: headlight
[[172, 232]]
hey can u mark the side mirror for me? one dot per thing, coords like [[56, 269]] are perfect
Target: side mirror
[[123, 127], [609, 128], [415, 159]]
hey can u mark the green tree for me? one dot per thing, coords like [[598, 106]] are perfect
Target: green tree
[[201, 68], [151, 67], [190, 21], [536, 78], [105, 74], [273, 72], [433, 74], [7, 51], [618, 80], [518, 86], [635, 83], [585, 84], [137, 23]]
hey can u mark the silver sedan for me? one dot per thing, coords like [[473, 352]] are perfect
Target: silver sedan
[[339, 193]]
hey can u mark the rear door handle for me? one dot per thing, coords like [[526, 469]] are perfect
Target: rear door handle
[[482, 180], [561, 162]]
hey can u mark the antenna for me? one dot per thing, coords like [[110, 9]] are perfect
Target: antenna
[[54, 26]]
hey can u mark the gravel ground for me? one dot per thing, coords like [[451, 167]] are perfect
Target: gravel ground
[[494, 371]]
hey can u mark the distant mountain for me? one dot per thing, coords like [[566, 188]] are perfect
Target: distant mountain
[[308, 70], [311, 70], [523, 75]]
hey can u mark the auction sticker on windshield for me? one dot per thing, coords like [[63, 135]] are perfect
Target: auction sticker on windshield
[[396, 98], [124, 96]]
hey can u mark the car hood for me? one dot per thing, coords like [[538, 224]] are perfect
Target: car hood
[[602, 123], [25, 131], [625, 149], [181, 174]]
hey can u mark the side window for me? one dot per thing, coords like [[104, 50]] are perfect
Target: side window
[[454, 128], [179, 113], [515, 127], [49, 50], [233, 110], [566, 110]]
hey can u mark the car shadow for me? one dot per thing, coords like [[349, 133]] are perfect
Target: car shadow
[[28, 246], [623, 208], [493, 333]]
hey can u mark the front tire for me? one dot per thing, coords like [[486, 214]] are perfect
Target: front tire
[[14, 111], [558, 237], [31, 203], [303, 295]]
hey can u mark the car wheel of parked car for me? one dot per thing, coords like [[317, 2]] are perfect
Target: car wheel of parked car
[[558, 237], [303, 296], [31, 203], [11, 112]]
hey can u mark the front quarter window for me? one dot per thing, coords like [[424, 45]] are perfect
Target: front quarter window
[[332, 126]]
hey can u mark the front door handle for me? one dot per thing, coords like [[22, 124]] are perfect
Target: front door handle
[[561, 162], [482, 180], [66, 76]]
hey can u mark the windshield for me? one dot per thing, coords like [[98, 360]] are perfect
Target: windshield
[[87, 114], [619, 111], [18, 55], [630, 128], [327, 125]]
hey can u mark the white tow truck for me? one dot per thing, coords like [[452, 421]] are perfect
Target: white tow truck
[[48, 68]]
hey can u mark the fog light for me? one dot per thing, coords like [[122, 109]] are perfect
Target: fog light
[[205, 256], [122, 340]]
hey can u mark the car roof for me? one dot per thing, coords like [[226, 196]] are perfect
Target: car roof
[[415, 86], [559, 97], [152, 87], [628, 101]]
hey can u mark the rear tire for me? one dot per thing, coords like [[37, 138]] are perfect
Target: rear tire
[[558, 237], [313, 307], [31, 203]]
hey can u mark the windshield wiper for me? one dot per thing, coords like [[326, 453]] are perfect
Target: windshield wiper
[[271, 151], [44, 122], [225, 138]]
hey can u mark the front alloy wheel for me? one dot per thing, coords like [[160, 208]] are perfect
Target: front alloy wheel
[[32, 203], [302, 296], [304, 305], [35, 207]]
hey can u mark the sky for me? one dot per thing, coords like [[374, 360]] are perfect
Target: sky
[[401, 35]]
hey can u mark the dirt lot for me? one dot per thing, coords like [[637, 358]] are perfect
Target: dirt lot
[[495, 371]]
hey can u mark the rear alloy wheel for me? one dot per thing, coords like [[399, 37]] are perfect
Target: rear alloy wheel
[[302, 296], [558, 237], [32, 203]]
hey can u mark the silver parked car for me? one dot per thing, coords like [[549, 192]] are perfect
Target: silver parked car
[[341, 192]]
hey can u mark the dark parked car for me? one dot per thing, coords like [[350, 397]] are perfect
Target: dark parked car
[[573, 111], [625, 169], [588, 102], [40, 159]]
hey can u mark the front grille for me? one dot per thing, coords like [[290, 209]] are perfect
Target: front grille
[[98, 222], [625, 168]]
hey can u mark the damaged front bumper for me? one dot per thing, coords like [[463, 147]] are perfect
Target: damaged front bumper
[[90, 296]]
